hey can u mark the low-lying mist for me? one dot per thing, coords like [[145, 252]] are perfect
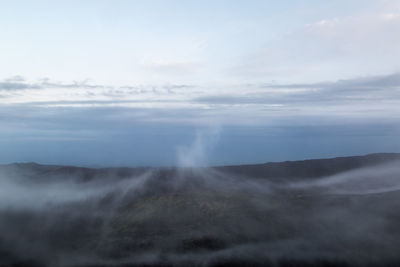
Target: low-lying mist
[[311, 213]]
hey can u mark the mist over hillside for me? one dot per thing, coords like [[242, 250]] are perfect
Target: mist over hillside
[[173, 133], [323, 212]]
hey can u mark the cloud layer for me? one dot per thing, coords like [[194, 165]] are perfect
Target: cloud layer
[[374, 97]]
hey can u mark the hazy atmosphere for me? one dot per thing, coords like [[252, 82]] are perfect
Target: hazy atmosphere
[[141, 133], [166, 83]]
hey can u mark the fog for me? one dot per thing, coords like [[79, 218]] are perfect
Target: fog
[[198, 216], [369, 180]]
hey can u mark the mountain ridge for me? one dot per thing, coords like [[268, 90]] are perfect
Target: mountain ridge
[[388, 155], [310, 168]]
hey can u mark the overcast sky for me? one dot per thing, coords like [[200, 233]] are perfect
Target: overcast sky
[[107, 83]]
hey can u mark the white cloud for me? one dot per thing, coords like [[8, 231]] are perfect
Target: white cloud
[[372, 97], [391, 16], [345, 47]]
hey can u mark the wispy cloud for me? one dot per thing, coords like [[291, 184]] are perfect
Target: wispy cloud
[[17, 83], [48, 92], [329, 48], [372, 97], [375, 88]]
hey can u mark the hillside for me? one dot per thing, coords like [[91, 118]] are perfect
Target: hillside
[[322, 212]]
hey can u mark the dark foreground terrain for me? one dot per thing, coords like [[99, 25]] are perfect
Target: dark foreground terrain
[[331, 212]]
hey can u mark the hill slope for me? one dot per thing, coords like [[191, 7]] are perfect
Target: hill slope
[[328, 212]]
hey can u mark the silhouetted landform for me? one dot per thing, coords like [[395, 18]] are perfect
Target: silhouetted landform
[[323, 212], [310, 168]]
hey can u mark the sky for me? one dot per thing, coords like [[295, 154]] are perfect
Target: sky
[[162, 83]]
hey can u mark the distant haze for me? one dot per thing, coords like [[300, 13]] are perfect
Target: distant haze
[[139, 83]]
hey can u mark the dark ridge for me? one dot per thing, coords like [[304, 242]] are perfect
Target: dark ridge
[[310, 168]]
